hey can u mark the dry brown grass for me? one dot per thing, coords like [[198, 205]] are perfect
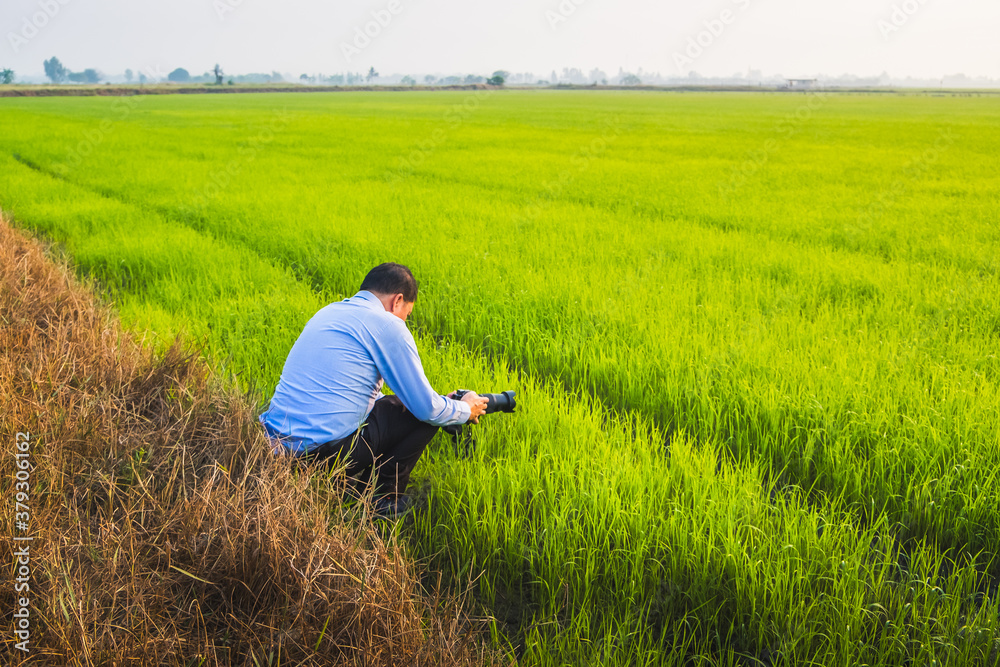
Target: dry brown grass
[[165, 531]]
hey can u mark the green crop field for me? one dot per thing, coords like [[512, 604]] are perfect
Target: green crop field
[[754, 337]]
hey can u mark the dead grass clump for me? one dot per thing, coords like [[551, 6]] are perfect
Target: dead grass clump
[[164, 530]]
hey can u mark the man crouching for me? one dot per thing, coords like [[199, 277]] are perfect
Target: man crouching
[[329, 404]]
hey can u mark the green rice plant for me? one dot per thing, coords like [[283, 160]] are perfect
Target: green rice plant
[[755, 357]]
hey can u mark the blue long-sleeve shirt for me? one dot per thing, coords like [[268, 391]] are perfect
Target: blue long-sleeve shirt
[[335, 370]]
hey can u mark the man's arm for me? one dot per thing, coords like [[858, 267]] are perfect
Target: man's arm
[[395, 355]]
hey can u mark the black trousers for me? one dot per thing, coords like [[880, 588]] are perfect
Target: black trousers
[[388, 447]]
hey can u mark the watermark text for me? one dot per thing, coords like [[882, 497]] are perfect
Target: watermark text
[[714, 28], [22, 542], [363, 36], [899, 17], [32, 25]]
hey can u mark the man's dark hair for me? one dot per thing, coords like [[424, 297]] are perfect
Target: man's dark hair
[[391, 278]]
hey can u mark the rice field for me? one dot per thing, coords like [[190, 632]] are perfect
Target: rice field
[[754, 337]]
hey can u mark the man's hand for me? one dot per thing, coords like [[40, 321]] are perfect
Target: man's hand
[[476, 402]]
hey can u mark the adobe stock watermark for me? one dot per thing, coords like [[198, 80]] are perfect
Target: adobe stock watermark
[[698, 44], [224, 7], [121, 109], [222, 178], [562, 12], [580, 162], [33, 24], [899, 16], [914, 171], [453, 118], [364, 35], [22, 541], [784, 129]]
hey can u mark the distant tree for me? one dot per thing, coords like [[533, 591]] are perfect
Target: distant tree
[[6, 76], [128, 75], [230, 83], [631, 80], [142, 78], [429, 79], [408, 81], [55, 70], [498, 78], [275, 77], [305, 78], [372, 74], [91, 76], [179, 75], [217, 71], [573, 75]]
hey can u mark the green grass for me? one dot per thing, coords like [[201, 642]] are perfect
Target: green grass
[[754, 336]]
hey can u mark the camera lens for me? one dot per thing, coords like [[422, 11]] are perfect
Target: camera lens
[[504, 402]]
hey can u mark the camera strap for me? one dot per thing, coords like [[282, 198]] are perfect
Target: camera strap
[[463, 440]]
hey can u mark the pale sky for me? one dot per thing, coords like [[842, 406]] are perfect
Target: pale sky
[[800, 38]]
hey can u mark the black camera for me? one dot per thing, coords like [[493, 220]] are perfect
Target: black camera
[[503, 402]]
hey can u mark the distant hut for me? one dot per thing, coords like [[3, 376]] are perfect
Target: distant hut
[[800, 84]]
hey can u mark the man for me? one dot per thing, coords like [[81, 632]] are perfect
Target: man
[[328, 401]]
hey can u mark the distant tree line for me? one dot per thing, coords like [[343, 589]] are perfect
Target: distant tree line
[[216, 76], [58, 73], [355, 78], [350, 78]]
